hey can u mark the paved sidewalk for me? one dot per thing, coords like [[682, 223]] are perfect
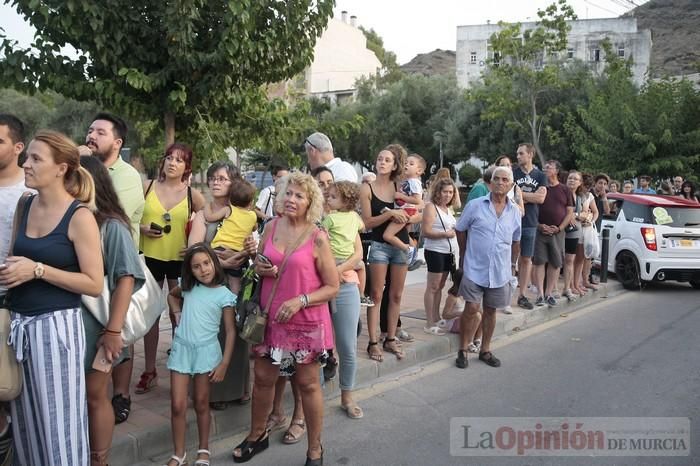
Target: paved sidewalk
[[146, 435]]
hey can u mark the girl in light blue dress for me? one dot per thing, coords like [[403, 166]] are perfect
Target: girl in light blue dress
[[198, 304]]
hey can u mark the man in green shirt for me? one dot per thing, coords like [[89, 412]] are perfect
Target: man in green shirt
[[105, 138], [481, 187]]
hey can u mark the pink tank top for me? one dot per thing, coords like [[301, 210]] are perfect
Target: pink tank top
[[310, 328]]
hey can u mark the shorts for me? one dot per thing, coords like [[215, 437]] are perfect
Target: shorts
[[194, 358], [93, 331], [238, 273], [438, 262], [162, 269], [384, 253], [570, 245], [527, 241], [549, 249], [496, 298]]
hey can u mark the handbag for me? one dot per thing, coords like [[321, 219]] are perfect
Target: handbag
[[10, 370], [255, 320], [145, 308], [452, 259]]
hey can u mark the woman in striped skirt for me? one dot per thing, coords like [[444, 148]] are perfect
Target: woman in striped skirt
[[51, 264]]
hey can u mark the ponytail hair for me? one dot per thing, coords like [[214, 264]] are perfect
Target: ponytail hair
[[77, 181]]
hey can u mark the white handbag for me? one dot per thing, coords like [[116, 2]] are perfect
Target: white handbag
[[146, 306]]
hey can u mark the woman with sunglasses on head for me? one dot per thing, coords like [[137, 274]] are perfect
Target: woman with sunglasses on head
[[170, 203]]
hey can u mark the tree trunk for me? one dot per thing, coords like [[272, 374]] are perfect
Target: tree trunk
[[169, 121], [535, 133]]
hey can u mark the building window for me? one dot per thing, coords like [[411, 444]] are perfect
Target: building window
[[595, 55], [621, 52], [472, 58], [496, 58], [570, 54]]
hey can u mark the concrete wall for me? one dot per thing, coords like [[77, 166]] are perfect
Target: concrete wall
[[584, 38]]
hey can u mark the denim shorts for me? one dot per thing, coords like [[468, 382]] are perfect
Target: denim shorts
[[527, 241], [384, 253]]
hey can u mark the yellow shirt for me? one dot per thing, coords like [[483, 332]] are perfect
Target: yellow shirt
[[169, 245], [342, 230], [235, 229], [127, 182]]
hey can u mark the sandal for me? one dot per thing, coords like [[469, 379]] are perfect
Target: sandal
[[393, 347], [180, 461], [148, 381], [434, 330], [353, 411], [122, 408], [289, 438], [244, 400], [218, 405], [375, 355], [275, 422], [202, 461], [314, 462], [249, 448], [490, 359]]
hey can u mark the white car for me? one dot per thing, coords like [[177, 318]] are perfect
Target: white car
[[653, 238]]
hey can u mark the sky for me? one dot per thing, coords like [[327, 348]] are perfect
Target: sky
[[410, 27]]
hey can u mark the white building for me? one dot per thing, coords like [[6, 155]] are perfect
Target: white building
[[584, 43], [341, 57]]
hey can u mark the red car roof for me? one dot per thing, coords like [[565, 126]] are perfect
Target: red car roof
[[656, 200]]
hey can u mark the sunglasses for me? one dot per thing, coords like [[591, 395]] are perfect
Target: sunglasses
[[306, 141]]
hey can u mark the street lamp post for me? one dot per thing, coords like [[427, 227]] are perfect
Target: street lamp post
[[439, 136]]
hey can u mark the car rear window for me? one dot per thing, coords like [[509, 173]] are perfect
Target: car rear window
[[680, 217]]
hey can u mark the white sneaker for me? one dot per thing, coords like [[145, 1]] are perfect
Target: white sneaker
[[411, 254], [508, 310]]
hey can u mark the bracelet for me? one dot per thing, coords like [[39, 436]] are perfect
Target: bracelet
[[304, 300], [112, 332]]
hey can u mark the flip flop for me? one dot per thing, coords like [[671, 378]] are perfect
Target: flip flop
[[275, 422], [353, 411], [435, 330], [396, 349], [289, 438]]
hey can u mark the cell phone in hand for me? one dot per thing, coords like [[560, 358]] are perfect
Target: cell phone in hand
[[100, 362], [264, 259]]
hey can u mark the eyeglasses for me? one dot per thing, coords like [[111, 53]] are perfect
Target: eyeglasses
[[306, 141], [167, 218], [217, 179]]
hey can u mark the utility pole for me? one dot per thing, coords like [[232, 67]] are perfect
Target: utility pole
[[439, 136]]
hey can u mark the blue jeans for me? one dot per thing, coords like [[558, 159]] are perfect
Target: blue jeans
[[345, 316]]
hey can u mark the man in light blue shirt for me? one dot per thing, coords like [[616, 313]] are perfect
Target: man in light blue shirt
[[493, 226], [644, 187]]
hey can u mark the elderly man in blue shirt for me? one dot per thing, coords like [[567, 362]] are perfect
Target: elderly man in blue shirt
[[489, 230]]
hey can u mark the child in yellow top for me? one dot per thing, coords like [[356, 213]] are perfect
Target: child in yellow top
[[239, 222], [343, 226]]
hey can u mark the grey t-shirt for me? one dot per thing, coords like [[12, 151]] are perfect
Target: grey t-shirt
[[120, 255]]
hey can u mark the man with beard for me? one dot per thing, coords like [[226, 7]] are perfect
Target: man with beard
[[105, 139]]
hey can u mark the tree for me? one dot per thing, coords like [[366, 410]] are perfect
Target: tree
[[625, 131], [523, 73], [182, 63], [391, 72]]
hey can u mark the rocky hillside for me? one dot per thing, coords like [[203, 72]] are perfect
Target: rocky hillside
[[675, 27], [437, 62]]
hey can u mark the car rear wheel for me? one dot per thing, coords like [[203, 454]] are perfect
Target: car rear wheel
[[627, 270]]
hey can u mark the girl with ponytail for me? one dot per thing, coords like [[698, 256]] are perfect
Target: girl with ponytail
[[52, 262]]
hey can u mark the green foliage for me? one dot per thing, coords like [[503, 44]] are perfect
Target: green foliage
[[177, 63], [469, 174], [626, 132], [391, 71]]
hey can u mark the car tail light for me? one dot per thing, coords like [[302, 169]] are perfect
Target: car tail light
[[649, 235]]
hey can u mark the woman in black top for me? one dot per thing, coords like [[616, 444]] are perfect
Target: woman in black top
[[377, 202]]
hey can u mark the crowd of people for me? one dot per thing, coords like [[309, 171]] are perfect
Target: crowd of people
[[325, 245]]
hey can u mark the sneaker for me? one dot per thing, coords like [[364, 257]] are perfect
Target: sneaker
[[540, 301], [462, 361], [555, 294], [508, 310], [148, 381], [415, 265], [411, 254], [525, 303], [472, 348], [404, 336], [570, 296], [551, 301], [330, 369], [532, 289], [122, 407], [490, 359], [366, 301]]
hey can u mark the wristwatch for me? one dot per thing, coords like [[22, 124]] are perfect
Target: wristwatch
[[39, 270]]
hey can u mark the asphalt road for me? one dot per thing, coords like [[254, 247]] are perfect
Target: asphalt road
[[637, 355]]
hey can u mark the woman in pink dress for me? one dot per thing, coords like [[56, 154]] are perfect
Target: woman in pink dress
[[299, 328]]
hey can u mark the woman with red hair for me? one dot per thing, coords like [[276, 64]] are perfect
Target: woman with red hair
[[170, 203]]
